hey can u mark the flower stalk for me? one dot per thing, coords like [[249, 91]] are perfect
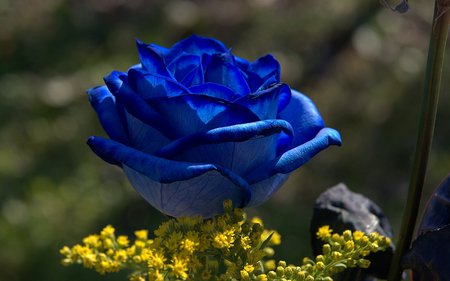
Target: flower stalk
[[436, 52]]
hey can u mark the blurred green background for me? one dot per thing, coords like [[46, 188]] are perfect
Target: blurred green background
[[362, 64]]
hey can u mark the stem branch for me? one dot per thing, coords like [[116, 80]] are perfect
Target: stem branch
[[436, 51]]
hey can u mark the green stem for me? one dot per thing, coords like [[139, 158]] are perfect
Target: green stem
[[433, 76]]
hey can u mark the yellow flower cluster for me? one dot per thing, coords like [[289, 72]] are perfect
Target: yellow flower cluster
[[339, 253], [227, 247]]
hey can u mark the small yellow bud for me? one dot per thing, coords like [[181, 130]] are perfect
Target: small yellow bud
[[244, 275], [336, 255], [269, 252], [271, 275], [288, 272], [320, 266], [261, 277], [65, 251], [363, 263], [282, 263], [374, 236], [349, 245], [280, 271], [309, 278], [347, 235], [326, 249], [320, 258]]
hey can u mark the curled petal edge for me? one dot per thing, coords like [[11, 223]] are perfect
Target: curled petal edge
[[104, 103], [297, 156], [234, 133], [159, 169]]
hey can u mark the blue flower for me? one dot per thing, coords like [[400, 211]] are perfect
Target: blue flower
[[193, 125]]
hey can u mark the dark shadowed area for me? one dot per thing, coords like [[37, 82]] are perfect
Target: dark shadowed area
[[362, 65]]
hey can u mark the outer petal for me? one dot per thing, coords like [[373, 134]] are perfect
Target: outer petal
[[189, 114], [303, 116], [223, 72], [136, 105], [266, 104], [195, 45], [296, 157], [151, 61], [240, 148], [104, 104], [264, 189], [158, 180], [150, 85], [144, 137]]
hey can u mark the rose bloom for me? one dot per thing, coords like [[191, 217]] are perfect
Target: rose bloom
[[194, 125]]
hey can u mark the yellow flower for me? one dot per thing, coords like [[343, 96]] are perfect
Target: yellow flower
[[93, 241], [324, 232], [224, 239], [249, 268], [246, 242], [123, 241], [357, 235], [141, 234], [179, 268], [156, 260], [107, 231]]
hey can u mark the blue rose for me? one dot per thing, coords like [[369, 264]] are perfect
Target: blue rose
[[193, 125]]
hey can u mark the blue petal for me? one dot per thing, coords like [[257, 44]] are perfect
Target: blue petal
[[195, 77], [183, 65], [151, 61], [296, 157], [191, 113], [243, 64], [214, 90], [199, 196], [105, 105], [264, 189], [161, 51], [165, 173], [304, 117], [149, 85], [144, 137], [137, 106], [240, 148], [114, 80], [267, 103], [266, 66], [225, 73], [195, 45]]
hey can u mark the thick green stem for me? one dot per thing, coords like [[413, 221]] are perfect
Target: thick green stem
[[433, 76]]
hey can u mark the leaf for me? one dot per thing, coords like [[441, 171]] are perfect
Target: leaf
[[266, 241], [343, 209], [437, 210], [429, 256]]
